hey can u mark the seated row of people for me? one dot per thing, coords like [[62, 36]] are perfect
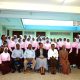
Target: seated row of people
[[41, 59], [73, 48]]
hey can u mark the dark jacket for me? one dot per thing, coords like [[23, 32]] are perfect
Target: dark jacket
[[37, 53]]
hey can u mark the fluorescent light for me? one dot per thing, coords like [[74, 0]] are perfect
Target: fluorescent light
[[68, 1], [65, 1], [47, 22], [59, 0]]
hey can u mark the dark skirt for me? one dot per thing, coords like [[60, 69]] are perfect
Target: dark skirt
[[10, 52], [12, 48], [73, 57], [17, 64], [60, 48], [5, 67], [33, 48], [78, 59], [56, 48], [23, 49], [68, 50], [53, 65]]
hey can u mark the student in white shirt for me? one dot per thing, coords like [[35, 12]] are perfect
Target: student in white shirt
[[53, 58], [53, 52]]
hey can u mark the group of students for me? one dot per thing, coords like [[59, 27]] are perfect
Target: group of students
[[43, 54]]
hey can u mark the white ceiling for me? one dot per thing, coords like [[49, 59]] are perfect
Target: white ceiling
[[56, 2]]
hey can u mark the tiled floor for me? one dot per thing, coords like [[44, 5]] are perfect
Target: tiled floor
[[74, 75]]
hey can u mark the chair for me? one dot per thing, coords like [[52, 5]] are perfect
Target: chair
[[29, 64]]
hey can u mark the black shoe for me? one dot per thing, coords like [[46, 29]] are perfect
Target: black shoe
[[78, 67], [13, 71], [19, 71], [53, 72]]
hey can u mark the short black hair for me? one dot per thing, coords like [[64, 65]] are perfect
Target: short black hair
[[40, 43]]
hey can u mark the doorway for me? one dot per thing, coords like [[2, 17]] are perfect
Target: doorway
[[75, 34], [40, 33], [18, 33]]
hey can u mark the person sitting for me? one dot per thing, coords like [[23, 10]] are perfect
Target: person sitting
[[17, 57], [53, 58], [5, 61], [41, 59], [65, 65], [29, 57]]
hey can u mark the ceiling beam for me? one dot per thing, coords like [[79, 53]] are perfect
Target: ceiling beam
[[39, 15], [38, 7]]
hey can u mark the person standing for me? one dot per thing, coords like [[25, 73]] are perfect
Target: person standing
[[22, 45], [68, 45], [73, 53], [27, 42], [34, 44], [60, 43], [47, 45], [11, 45], [78, 55]]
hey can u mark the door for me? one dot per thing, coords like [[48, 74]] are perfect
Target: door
[[40, 34], [75, 34], [18, 33]]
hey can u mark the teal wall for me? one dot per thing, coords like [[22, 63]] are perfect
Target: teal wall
[[0, 30]]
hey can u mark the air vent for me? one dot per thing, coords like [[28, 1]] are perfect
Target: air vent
[[28, 33]]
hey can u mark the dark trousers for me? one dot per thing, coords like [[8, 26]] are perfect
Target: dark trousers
[[17, 64], [73, 57], [78, 59], [53, 65], [23, 49]]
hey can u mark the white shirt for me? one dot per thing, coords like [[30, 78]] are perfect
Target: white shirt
[[1, 42], [53, 53], [78, 47], [29, 54], [77, 39], [17, 53]]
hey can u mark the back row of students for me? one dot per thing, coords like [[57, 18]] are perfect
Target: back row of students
[[11, 42]]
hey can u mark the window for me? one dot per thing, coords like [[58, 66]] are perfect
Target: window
[[60, 33]]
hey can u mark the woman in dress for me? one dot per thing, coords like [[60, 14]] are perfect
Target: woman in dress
[[5, 58], [41, 59], [65, 65]]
